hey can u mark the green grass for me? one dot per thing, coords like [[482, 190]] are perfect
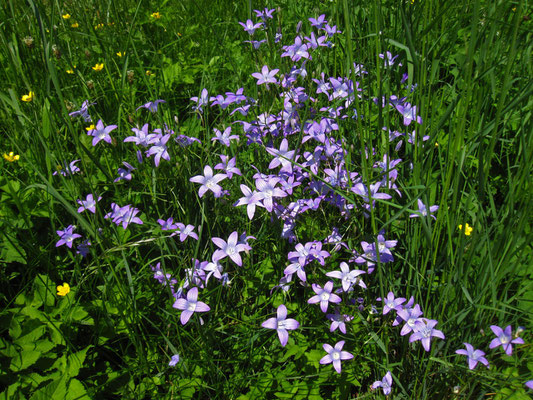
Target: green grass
[[113, 335]]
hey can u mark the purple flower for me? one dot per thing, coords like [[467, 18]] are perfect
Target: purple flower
[[362, 190], [124, 215], [228, 166], [209, 182], [141, 138], [474, 356], [347, 277], [409, 113], [529, 384], [424, 331], [281, 324], [83, 248], [335, 355], [504, 338], [101, 132], [186, 231], [385, 384], [225, 137], [256, 43], [250, 27], [88, 204], [389, 59], [283, 157], [296, 51], [82, 112], [190, 305], [269, 191], [324, 296], [250, 200], [151, 105], [159, 148], [201, 101], [167, 225], [67, 169], [391, 303], [124, 173], [410, 316], [67, 236], [319, 22], [266, 76], [338, 320], [266, 13], [174, 360], [423, 211], [230, 248]]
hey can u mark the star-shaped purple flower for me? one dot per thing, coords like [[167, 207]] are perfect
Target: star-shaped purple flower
[[335, 355], [385, 384], [101, 132], [474, 356], [504, 338], [88, 204], [151, 105], [230, 249], [423, 210], [67, 236], [190, 305], [324, 296], [266, 76], [281, 324], [209, 182], [424, 332]]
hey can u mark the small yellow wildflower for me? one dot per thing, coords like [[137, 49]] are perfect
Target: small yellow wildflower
[[120, 54], [98, 26], [156, 15], [71, 70], [98, 67], [63, 290], [75, 25], [11, 157], [149, 73], [436, 144], [90, 128], [468, 229], [66, 16], [27, 97]]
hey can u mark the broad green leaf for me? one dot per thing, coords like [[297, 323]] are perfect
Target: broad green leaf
[[24, 359]]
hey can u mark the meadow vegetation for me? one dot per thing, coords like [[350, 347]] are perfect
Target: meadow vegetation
[[266, 199]]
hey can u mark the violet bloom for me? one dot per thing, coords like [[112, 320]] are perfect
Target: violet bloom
[[410, 316], [209, 182], [151, 105], [424, 331], [186, 231], [423, 211], [529, 384], [174, 360], [190, 305], [141, 138], [389, 59], [228, 166], [167, 225], [202, 100], [225, 137], [335, 355], [281, 324], [159, 148], [250, 27], [504, 338], [319, 22], [266, 76], [88, 204], [269, 191], [230, 248], [250, 200], [298, 268], [324, 296], [362, 190], [474, 356], [101, 132], [67, 169], [391, 303], [296, 51], [283, 157], [130, 217], [266, 13], [338, 320], [82, 112], [67, 236], [409, 113], [385, 384], [83, 248], [124, 173], [347, 277]]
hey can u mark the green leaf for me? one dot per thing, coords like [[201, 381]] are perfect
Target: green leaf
[[54, 390], [24, 359], [75, 362], [44, 290], [76, 391]]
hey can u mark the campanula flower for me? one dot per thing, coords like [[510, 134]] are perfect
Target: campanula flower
[[423, 210], [385, 384], [151, 105], [250, 27], [230, 249], [82, 112], [424, 332], [504, 338], [174, 360], [474, 356], [266, 76], [101, 132], [324, 296], [335, 355], [67, 169], [209, 182], [88, 204], [281, 324], [67, 236], [190, 305]]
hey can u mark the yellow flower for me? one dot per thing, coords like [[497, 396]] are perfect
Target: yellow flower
[[27, 97], [120, 54], [149, 73], [156, 15], [11, 157], [75, 25], [98, 26], [90, 128], [63, 290], [71, 71], [468, 229], [66, 16], [98, 67]]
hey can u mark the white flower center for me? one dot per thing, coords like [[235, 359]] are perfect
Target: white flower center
[[336, 355], [504, 339], [324, 296], [191, 306]]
